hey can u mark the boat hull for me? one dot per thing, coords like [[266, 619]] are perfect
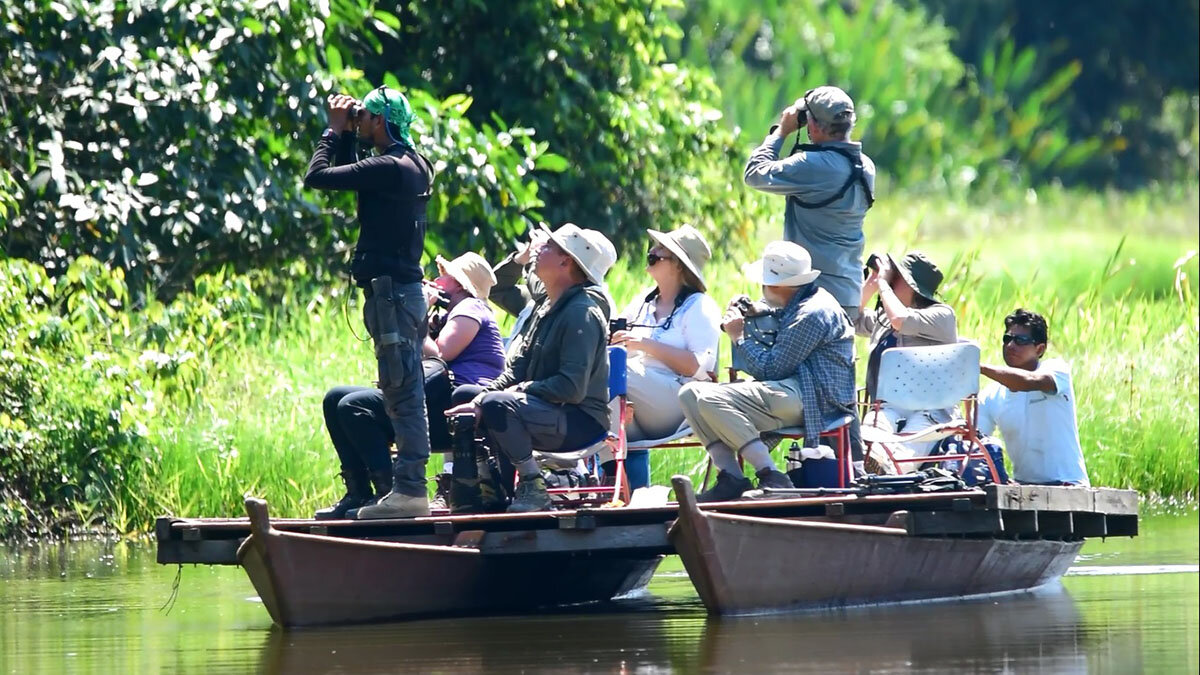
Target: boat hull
[[745, 564], [314, 580]]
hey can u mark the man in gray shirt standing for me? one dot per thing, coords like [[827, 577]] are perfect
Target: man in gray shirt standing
[[829, 184]]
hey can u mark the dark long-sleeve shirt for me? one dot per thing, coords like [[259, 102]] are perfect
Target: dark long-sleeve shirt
[[563, 356], [393, 189]]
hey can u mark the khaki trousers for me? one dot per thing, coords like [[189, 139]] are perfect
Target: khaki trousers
[[739, 413]]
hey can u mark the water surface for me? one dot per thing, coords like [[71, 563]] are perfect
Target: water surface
[[1128, 605]]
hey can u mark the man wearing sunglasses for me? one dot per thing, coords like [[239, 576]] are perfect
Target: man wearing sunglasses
[[393, 187], [829, 185], [1032, 404]]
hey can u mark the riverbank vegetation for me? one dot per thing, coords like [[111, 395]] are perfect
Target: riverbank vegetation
[[114, 417], [173, 303]]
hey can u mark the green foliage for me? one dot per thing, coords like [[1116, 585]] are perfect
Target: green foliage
[[169, 139], [641, 140], [1140, 94], [926, 119]]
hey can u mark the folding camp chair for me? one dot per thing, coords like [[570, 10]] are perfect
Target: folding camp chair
[[619, 491], [930, 378]]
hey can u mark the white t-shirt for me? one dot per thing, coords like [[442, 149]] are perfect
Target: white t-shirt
[[695, 326], [1039, 429]]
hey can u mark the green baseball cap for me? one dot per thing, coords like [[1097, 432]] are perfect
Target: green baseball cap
[[394, 107]]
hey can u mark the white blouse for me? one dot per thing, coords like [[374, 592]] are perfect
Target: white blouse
[[694, 326]]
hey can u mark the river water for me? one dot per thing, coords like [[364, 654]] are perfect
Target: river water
[[1128, 605]]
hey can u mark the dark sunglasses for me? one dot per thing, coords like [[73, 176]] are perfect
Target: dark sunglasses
[[653, 258], [1023, 340]]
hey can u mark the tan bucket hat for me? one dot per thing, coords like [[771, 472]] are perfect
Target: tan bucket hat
[[784, 263], [471, 271], [688, 245], [590, 249]]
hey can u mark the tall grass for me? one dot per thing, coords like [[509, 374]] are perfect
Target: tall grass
[[1102, 268]]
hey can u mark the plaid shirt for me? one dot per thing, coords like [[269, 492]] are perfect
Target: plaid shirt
[[815, 345]]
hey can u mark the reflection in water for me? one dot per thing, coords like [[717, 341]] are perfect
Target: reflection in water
[[94, 607], [1027, 631]]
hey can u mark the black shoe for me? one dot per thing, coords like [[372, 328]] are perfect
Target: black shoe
[[358, 493], [775, 479], [727, 488]]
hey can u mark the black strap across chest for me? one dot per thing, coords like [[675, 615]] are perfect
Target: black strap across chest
[[856, 175]]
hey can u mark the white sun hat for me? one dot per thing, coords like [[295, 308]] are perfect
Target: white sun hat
[[783, 264]]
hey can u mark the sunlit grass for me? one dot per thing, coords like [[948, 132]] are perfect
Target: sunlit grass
[[1101, 267]]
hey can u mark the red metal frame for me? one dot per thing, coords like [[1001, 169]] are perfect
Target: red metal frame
[[970, 433], [618, 492]]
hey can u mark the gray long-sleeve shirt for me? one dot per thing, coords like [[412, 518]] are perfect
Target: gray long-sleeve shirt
[[833, 234]]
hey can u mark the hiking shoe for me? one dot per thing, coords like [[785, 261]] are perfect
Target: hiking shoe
[[441, 495], [396, 505], [727, 488], [775, 479], [358, 493], [531, 496]]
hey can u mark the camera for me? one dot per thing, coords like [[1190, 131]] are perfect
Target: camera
[[618, 324], [871, 266], [441, 300], [749, 308]]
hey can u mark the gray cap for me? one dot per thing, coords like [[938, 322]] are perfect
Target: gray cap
[[828, 105]]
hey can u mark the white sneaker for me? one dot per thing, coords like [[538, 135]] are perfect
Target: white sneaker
[[396, 505]]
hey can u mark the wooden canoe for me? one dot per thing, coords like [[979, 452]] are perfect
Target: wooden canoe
[[745, 564], [310, 580]]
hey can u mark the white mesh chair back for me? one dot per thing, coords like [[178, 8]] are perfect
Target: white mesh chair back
[[928, 378]]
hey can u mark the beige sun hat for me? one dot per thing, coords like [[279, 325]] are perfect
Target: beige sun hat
[[590, 249], [471, 271], [688, 245], [783, 264]]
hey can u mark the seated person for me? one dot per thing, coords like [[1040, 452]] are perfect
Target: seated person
[[805, 378], [1032, 404], [907, 314], [467, 340], [553, 393], [672, 336]]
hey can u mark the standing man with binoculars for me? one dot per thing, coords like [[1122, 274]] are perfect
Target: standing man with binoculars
[[393, 188], [829, 184]]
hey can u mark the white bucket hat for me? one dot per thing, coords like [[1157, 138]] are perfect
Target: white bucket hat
[[591, 250], [471, 272], [783, 264], [688, 246]]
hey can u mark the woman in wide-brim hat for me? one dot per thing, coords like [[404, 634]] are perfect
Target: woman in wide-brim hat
[[672, 337], [908, 314]]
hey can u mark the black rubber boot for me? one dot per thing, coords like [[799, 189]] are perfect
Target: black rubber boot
[[531, 496], [727, 488], [380, 486], [358, 492], [775, 479]]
